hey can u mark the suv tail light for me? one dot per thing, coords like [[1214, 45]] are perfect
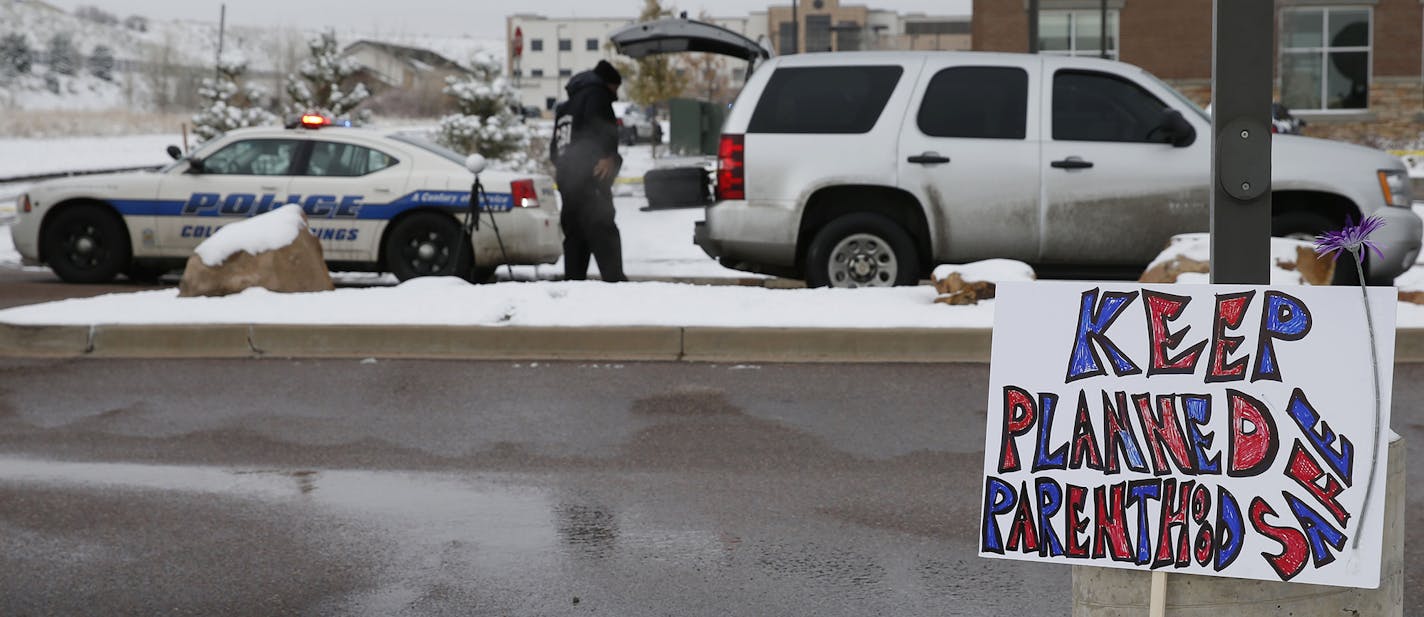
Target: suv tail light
[[524, 194], [731, 168]]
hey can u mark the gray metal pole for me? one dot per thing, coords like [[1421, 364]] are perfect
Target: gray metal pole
[[795, 28], [1103, 24], [1033, 26], [1241, 144]]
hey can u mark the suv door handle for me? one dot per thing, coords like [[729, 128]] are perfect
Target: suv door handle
[[928, 158], [1072, 162]]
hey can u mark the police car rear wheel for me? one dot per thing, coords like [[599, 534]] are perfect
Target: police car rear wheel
[[86, 244], [424, 244]]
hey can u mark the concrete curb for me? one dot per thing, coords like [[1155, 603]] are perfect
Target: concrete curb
[[655, 343], [470, 342]]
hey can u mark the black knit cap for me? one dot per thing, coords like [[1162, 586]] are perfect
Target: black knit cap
[[607, 73]]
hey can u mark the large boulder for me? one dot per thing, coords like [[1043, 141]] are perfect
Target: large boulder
[[275, 251]]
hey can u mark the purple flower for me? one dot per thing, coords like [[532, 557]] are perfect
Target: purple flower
[[1350, 238]]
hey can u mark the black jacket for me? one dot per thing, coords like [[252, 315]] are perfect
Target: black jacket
[[594, 133]]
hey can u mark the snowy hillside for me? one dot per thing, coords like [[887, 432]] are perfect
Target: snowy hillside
[[153, 54]]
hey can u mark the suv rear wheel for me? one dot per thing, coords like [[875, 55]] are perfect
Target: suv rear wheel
[[861, 250]]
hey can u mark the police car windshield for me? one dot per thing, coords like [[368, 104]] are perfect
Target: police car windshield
[[429, 146]]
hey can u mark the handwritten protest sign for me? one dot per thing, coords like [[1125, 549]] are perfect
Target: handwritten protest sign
[[1207, 429]]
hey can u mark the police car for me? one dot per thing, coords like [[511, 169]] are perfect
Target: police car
[[377, 202]]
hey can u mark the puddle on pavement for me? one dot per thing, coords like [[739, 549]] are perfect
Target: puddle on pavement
[[436, 517]]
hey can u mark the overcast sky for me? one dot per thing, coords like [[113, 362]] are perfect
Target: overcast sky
[[478, 18]]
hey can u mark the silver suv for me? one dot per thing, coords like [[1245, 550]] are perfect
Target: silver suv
[[866, 169]]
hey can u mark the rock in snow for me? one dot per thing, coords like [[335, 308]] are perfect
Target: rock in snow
[[274, 251]]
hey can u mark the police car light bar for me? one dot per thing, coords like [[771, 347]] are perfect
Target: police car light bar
[[312, 121]]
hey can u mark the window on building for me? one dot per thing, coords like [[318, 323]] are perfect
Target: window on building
[[839, 99], [1325, 58], [591, 45], [818, 33], [916, 28], [976, 102], [566, 72], [536, 72], [786, 34], [536, 44], [1091, 106], [848, 36], [566, 44], [1076, 33]]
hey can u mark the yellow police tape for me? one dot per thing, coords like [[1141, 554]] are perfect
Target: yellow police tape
[[1403, 153]]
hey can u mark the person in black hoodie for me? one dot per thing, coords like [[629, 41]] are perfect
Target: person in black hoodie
[[586, 160]]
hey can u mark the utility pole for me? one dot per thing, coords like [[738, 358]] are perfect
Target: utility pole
[[222, 25], [1103, 21], [1033, 26], [795, 28], [1241, 142]]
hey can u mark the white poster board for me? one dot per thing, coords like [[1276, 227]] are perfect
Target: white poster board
[[1205, 429]]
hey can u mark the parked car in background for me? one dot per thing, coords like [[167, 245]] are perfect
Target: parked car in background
[[637, 124], [375, 201], [868, 168]]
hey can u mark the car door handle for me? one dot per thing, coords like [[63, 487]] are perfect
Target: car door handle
[[928, 158], [380, 189], [1072, 162], [269, 189]]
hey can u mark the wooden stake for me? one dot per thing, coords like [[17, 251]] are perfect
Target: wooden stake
[[1158, 604]]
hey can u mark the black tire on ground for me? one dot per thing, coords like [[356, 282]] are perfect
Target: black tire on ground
[[86, 243], [424, 244], [676, 187], [861, 250], [1306, 226]]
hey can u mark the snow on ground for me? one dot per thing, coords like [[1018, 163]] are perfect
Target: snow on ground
[[990, 270], [451, 301], [25, 156]]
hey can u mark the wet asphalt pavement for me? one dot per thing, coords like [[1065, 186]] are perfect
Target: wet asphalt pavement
[[279, 487]]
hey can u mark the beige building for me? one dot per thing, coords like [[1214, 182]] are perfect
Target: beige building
[[397, 66], [545, 52], [828, 25]]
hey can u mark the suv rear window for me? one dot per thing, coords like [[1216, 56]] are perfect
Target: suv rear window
[[824, 99]]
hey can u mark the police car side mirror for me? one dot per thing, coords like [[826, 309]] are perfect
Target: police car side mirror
[[174, 153], [195, 165], [475, 163]]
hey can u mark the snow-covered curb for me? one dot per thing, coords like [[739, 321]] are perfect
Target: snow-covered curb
[[451, 301]]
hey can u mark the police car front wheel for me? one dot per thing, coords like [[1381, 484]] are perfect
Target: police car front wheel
[[424, 244], [86, 243]]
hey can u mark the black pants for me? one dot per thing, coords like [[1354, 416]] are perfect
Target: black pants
[[587, 221]]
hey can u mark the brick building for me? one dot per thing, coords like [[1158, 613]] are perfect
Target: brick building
[[1351, 68]]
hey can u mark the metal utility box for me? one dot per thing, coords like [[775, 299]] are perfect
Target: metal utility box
[[695, 126]]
